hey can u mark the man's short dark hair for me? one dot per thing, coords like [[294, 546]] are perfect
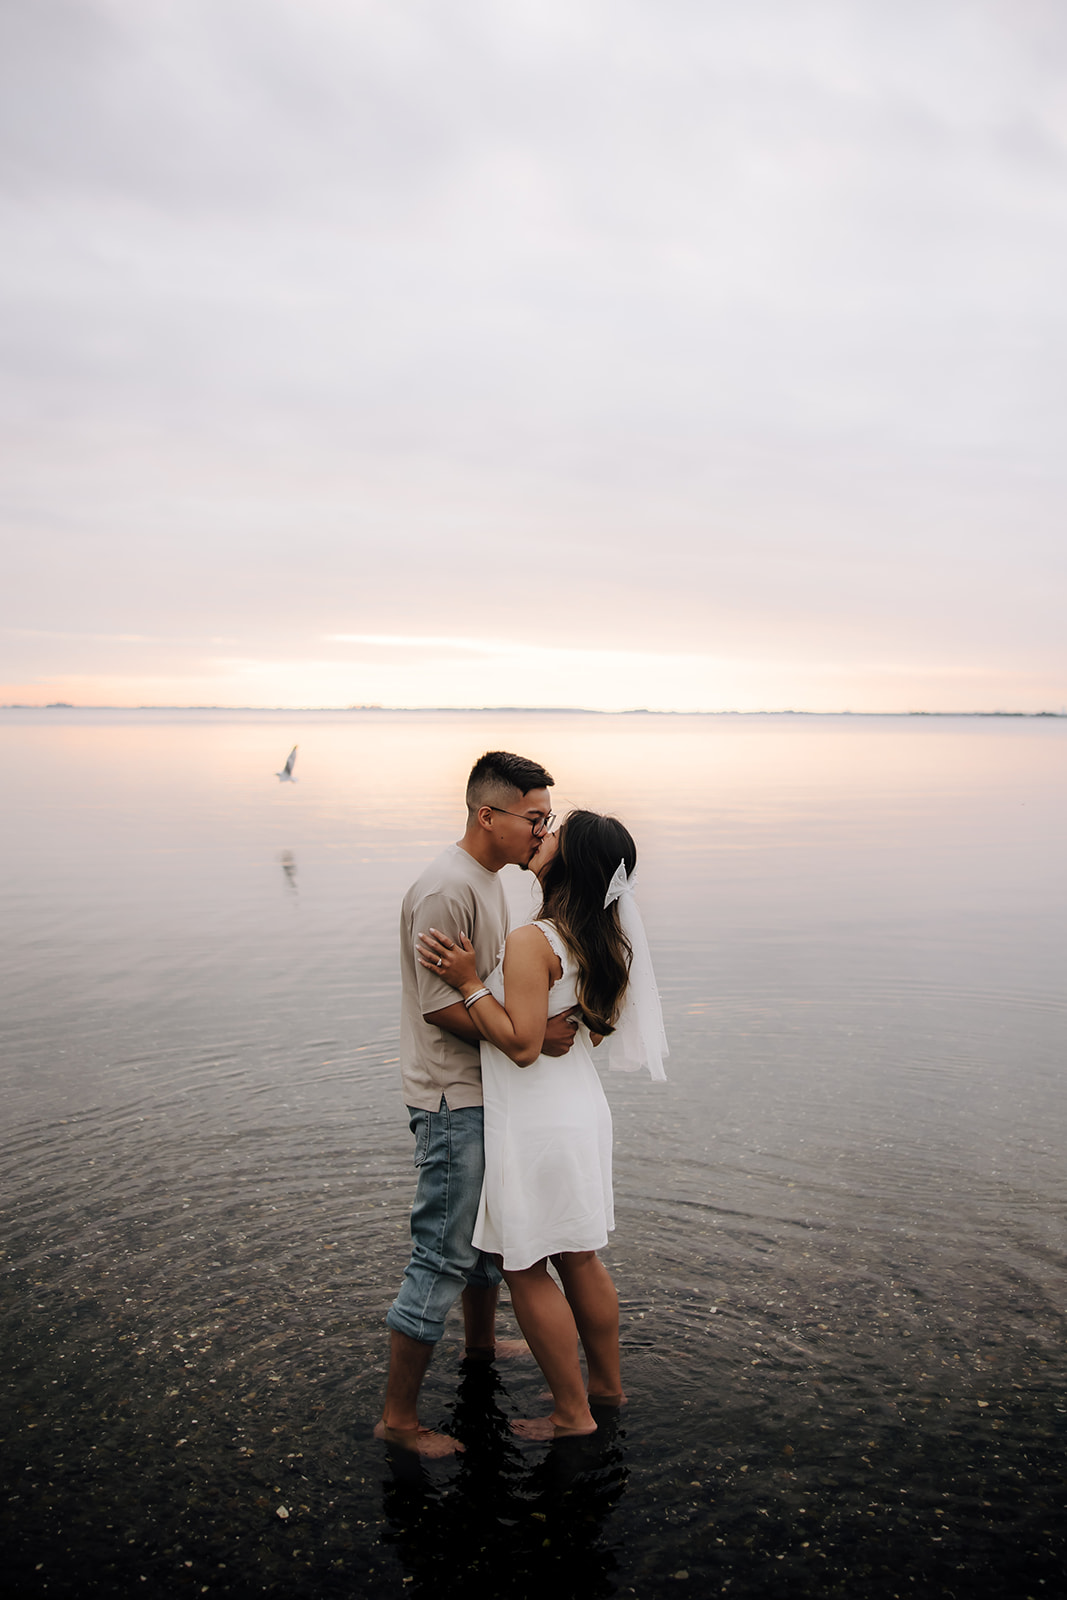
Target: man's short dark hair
[[498, 773]]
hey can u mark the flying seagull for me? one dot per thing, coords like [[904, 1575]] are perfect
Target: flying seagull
[[286, 774]]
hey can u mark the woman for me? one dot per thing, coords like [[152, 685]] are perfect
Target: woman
[[547, 1191]]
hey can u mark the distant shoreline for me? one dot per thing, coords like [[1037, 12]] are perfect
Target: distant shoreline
[[542, 711]]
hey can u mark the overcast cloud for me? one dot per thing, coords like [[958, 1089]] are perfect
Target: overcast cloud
[[627, 351]]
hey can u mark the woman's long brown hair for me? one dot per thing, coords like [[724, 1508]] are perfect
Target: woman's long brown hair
[[573, 890]]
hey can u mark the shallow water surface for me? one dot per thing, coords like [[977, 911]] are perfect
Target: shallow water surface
[[840, 1243]]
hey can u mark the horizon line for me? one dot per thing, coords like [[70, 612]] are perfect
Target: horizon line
[[586, 711]]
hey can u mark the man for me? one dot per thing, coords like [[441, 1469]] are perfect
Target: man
[[508, 813]]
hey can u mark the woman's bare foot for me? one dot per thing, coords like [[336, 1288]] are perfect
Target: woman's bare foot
[[421, 1441], [542, 1430]]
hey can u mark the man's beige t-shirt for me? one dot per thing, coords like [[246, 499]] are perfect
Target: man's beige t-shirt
[[455, 894]]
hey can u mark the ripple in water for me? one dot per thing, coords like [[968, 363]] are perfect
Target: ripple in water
[[840, 1243]]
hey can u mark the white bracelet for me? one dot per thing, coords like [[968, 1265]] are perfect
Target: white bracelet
[[479, 994]]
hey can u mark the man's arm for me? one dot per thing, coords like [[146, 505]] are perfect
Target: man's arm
[[559, 1031], [454, 1019]]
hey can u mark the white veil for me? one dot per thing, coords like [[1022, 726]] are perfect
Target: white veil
[[639, 1039]]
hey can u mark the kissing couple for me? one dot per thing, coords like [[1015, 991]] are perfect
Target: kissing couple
[[512, 1129]]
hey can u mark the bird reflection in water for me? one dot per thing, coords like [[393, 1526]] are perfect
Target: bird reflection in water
[[288, 861], [527, 1522]]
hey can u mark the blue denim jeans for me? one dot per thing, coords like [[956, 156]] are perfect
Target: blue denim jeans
[[450, 1161]]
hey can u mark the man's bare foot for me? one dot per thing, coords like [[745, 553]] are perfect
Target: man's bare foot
[[542, 1430], [503, 1350], [421, 1441]]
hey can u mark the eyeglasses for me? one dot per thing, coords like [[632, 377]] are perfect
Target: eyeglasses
[[537, 824]]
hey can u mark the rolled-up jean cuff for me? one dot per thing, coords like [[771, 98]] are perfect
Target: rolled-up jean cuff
[[450, 1161]]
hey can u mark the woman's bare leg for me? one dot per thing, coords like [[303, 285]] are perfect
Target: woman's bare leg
[[479, 1328], [592, 1298], [548, 1324]]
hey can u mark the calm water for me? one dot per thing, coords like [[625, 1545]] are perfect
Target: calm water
[[840, 1245]]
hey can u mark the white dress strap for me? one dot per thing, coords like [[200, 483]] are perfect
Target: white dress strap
[[554, 940]]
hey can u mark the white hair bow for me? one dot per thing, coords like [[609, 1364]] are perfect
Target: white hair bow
[[619, 884]]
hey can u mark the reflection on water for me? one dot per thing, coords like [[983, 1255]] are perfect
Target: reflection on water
[[513, 1520], [840, 1250], [288, 863]]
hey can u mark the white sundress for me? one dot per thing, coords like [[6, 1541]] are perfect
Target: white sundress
[[547, 1181]]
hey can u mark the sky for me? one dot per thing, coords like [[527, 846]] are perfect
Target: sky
[[676, 354]]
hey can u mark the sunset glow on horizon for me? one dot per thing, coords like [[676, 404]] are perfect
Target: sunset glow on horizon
[[451, 675]]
